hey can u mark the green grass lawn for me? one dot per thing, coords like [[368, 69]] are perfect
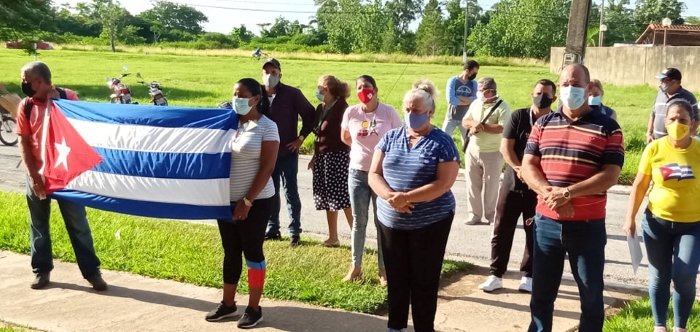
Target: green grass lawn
[[206, 80], [192, 253], [637, 317]]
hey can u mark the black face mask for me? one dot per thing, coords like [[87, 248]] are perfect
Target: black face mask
[[27, 89], [542, 101], [472, 77]]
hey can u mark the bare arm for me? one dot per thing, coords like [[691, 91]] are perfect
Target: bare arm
[[376, 176], [445, 178], [268, 158], [345, 137], [533, 175], [508, 152], [493, 128], [598, 183], [650, 125], [639, 190]]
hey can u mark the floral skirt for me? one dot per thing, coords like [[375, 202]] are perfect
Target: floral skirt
[[330, 185]]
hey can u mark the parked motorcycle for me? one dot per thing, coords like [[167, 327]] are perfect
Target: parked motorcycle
[[155, 91], [122, 93]]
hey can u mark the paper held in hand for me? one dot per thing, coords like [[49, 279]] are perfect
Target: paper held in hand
[[636, 255], [10, 102]]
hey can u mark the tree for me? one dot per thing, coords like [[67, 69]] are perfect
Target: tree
[[620, 21], [692, 20], [281, 27], [242, 34], [454, 24], [648, 11], [429, 35], [173, 16], [109, 13], [24, 18]]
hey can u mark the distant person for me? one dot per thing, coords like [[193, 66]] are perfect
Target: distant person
[[362, 128], [331, 158], [39, 89], [671, 226], [669, 90], [257, 53], [483, 161], [573, 156], [461, 92], [413, 170], [596, 99], [287, 105], [515, 198], [254, 152]]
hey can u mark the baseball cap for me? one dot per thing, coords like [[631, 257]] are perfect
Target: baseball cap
[[272, 61], [671, 73]]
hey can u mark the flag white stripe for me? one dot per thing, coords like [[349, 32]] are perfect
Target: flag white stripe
[[151, 138], [208, 192]]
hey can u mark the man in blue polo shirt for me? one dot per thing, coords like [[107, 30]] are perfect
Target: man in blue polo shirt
[[669, 89]]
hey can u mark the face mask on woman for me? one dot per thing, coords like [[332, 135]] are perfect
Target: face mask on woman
[[241, 105], [677, 130], [594, 100], [365, 95], [319, 95], [416, 121]]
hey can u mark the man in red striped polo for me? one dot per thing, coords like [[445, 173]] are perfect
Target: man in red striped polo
[[573, 156]]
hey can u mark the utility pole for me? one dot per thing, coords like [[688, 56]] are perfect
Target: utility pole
[[601, 31], [466, 31], [577, 31]]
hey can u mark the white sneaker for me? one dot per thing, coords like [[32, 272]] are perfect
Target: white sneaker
[[525, 285], [491, 284]]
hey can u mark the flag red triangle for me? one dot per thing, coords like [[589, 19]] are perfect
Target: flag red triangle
[[665, 172], [67, 153]]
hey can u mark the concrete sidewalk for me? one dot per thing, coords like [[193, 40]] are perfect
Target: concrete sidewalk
[[136, 303]]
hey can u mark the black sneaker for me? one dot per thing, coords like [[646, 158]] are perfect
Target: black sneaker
[[41, 280], [97, 282], [250, 318], [295, 242], [221, 312], [276, 236]]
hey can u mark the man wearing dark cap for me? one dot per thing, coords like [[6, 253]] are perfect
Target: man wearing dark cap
[[287, 104], [669, 89]]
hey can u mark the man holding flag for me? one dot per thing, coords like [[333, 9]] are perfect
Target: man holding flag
[[37, 85]]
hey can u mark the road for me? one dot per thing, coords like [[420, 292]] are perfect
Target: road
[[468, 243]]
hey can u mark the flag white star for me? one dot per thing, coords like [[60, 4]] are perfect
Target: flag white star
[[63, 151]]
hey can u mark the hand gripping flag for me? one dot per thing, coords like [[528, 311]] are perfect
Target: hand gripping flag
[[152, 161]]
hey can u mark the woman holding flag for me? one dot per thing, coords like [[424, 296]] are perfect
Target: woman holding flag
[[254, 153]]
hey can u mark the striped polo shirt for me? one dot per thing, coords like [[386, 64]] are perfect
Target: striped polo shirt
[[246, 149], [574, 151]]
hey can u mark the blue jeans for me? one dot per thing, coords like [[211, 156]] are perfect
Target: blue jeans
[[360, 196], [286, 169], [585, 242], [673, 249], [449, 126], [78, 228]]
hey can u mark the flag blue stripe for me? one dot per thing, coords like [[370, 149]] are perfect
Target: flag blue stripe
[[149, 115], [145, 209], [165, 165]]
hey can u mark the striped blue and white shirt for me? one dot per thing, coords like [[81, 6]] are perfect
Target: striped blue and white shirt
[[407, 168]]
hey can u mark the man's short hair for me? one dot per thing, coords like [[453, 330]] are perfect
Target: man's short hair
[[547, 82], [38, 69], [488, 83], [586, 72], [469, 65]]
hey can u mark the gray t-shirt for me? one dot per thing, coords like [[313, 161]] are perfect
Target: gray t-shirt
[[245, 157], [660, 105]]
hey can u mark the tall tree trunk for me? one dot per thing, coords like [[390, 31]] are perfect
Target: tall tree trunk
[[111, 40]]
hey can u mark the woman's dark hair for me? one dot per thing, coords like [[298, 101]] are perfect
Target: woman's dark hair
[[256, 89], [369, 79], [684, 104]]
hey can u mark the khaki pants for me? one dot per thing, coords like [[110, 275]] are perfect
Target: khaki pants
[[483, 174]]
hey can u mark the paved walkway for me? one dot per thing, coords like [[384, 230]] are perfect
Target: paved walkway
[[136, 303]]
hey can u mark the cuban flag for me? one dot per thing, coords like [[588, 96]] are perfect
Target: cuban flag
[[152, 161]]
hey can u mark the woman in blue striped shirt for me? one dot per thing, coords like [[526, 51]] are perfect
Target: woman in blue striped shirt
[[412, 172]]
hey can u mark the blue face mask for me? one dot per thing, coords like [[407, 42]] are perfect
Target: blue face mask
[[594, 101], [241, 105], [573, 97], [319, 95], [416, 121]]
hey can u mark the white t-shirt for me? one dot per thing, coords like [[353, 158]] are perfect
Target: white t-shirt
[[366, 129], [246, 147]]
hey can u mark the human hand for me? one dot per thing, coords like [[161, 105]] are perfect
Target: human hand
[[650, 138], [241, 211], [399, 201], [53, 93], [555, 197], [566, 210], [479, 127], [38, 187], [630, 228], [294, 146], [473, 131], [311, 164], [518, 172]]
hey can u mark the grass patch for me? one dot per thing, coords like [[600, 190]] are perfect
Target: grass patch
[[192, 253], [190, 78], [637, 317]]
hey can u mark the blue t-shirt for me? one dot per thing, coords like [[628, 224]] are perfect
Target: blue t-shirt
[[407, 168]]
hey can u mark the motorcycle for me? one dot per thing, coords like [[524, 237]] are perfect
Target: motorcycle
[[155, 91], [122, 93]]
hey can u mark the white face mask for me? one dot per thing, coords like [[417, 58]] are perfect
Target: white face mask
[[480, 95], [573, 97], [241, 105], [270, 80]]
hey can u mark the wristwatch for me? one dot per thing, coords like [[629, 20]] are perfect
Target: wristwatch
[[247, 202], [567, 193]]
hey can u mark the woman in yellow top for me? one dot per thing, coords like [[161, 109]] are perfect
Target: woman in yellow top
[[671, 226]]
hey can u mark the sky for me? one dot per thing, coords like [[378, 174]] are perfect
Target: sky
[[224, 15]]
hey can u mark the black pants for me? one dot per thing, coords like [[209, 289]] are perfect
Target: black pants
[[511, 204], [413, 260], [244, 236]]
